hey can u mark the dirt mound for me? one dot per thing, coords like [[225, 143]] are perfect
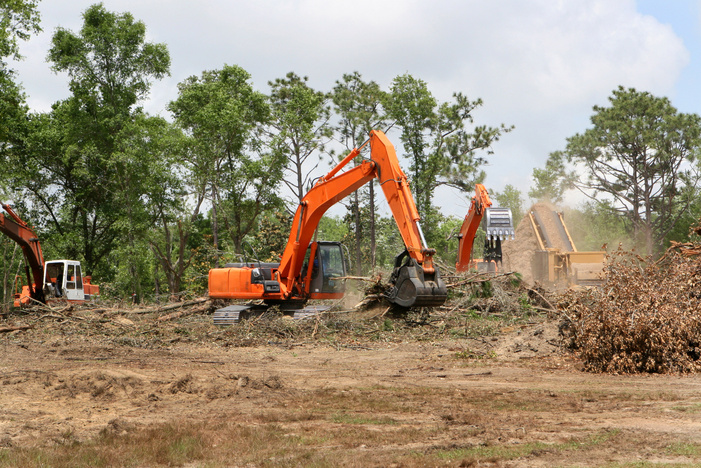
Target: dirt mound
[[518, 253]]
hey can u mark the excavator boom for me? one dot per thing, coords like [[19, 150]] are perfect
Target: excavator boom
[[20, 232]]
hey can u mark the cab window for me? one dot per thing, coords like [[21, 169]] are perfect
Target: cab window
[[70, 277]]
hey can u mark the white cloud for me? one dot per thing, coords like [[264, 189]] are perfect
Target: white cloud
[[540, 65]]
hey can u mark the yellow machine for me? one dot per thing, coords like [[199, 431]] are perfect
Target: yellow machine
[[557, 261]]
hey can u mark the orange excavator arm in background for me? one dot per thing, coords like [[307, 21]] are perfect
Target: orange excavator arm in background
[[415, 281], [20, 232], [498, 226]]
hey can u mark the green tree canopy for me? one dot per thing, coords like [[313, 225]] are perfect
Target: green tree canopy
[[358, 105], [639, 155], [510, 198], [71, 160], [225, 116], [18, 20], [299, 128], [437, 140]]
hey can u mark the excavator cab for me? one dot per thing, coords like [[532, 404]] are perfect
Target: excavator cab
[[63, 279], [328, 266]]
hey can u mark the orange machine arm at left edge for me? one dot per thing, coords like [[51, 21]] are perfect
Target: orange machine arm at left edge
[[20, 232], [468, 230]]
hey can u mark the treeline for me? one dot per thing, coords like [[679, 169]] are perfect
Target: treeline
[[149, 205]]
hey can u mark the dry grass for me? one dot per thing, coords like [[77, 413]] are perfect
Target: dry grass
[[378, 426]]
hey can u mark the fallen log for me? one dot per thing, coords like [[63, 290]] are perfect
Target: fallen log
[[176, 305], [479, 278], [11, 329], [181, 313]]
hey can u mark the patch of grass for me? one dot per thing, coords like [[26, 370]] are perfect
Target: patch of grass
[[686, 449], [692, 409], [469, 354], [505, 452], [345, 418], [492, 453]]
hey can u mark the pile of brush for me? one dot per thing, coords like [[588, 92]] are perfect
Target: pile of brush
[[645, 318]]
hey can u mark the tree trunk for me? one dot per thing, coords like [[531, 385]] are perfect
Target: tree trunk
[[373, 240], [215, 234], [358, 235], [157, 282]]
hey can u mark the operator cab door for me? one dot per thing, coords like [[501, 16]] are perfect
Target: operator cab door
[[329, 265], [65, 278]]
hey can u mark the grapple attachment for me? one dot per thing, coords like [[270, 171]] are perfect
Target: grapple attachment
[[411, 286], [498, 224]]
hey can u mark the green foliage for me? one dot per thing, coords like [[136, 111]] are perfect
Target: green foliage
[[357, 223], [358, 104], [639, 155], [224, 116], [272, 235], [11, 265], [442, 236], [511, 198], [135, 275], [389, 242], [595, 225], [552, 181], [18, 20], [70, 164], [299, 128], [123, 192], [110, 63], [441, 149], [689, 218], [331, 228]]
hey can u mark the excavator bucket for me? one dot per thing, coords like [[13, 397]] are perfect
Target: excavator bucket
[[411, 286]]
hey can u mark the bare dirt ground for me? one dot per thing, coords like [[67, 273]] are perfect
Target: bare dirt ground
[[379, 394]]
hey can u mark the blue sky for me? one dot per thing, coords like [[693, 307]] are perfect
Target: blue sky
[[684, 17], [540, 65]]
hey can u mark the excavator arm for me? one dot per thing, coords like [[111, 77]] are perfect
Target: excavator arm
[[415, 282], [20, 232], [498, 225]]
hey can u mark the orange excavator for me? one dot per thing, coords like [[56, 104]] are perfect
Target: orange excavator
[[313, 269], [498, 225], [46, 281]]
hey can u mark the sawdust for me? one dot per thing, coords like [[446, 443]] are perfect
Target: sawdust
[[518, 254]]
